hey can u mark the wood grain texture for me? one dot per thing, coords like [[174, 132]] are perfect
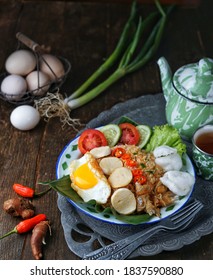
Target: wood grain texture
[[85, 32]]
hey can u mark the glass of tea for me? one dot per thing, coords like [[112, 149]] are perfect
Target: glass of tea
[[203, 151]]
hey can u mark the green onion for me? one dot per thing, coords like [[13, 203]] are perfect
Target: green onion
[[122, 43], [128, 55], [128, 63]]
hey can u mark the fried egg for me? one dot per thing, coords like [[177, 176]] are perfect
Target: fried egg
[[168, 158], [88, 179], [179, 182]]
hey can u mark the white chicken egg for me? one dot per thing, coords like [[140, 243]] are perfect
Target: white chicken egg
[[52, 66], [179, 182], [38, 82], [88, 179], [14, 87], [20, 62], [167, 158], [24, 117]]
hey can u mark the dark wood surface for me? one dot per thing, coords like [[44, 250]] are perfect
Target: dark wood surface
[[85, 33]]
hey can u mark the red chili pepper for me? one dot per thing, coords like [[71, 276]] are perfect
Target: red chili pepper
[[26, 225], [25, 191], [126, 156], [131, 163], [118, 152], [137, 172], [141, 179]]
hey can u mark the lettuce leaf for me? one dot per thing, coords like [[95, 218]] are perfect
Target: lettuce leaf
[[166, 135]]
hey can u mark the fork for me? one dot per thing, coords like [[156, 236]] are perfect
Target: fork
[[121, 249]]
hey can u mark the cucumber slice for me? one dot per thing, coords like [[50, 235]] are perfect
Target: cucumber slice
[[145, 133], [112, 133]]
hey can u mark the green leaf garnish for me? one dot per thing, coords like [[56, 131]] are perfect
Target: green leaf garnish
[[63, 186], [171, 207], [126, 119], [132, 219], [166, 135]]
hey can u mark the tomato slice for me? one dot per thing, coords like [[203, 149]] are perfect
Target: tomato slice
[[130, 134], [90, 139]]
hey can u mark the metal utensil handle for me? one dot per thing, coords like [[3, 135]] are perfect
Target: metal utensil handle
[[28, 42], [124, 252], [123, 247]]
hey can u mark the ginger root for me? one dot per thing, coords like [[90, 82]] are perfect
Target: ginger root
[[19, 207], [38, 238]]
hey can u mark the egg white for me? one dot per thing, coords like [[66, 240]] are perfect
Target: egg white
[[100, 191]]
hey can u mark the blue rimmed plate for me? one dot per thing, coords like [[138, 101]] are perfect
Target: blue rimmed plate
[[71, 152]]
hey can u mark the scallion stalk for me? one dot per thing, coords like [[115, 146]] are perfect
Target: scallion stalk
[[128, 55], [125, 37], [126, 65]]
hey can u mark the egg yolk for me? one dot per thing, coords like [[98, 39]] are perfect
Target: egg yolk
[[84, 177]]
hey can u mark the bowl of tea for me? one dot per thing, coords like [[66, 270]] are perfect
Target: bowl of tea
[[202, 151]]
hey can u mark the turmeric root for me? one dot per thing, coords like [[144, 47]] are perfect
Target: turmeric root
[[38, 238], [19, 207]]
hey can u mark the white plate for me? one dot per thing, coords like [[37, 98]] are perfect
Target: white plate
[[71, 152]]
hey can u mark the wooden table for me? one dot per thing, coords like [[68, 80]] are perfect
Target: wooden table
[[85, 33]]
